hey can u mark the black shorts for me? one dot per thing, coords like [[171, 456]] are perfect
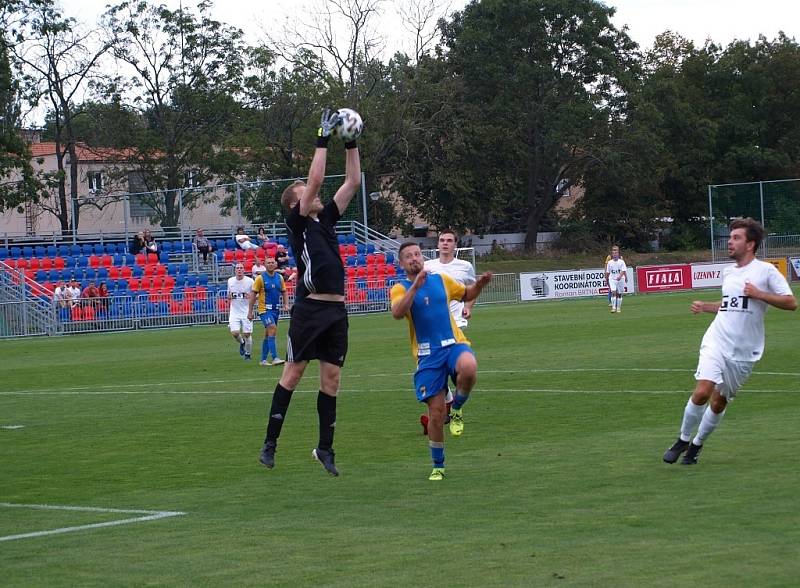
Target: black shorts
[[318, 330]]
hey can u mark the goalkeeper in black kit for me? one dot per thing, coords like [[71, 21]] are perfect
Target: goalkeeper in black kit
[[318, 327]]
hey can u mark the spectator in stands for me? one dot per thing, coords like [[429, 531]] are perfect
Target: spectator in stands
[[138, 245], [150, 243], [282, 259], [90, 294], [75, 292], [258, 268], [263, 239], [62, 295], [243, 241], [102, 295], [203, 245]]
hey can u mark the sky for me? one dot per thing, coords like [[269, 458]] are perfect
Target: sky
[[697, 20]]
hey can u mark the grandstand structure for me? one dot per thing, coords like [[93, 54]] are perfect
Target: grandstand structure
[[174, 288]]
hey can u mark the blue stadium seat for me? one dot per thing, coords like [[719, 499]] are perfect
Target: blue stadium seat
[[99, 249], [129, 259], [41, 276], [163, 257], [351, 238], [362, 259], [361, 249], [63, 250], [183, 269], [199, 306], [138, 272], [82, 261], [15, 252], [51, 251], [230, 244], [102, 274], [202, 280], [40, 251], [341, 239], [69, 262], [27, 251], [64, 315], [4, 253], [111, 248], [119, 258], [389, 257], [87, 249], [172, 269], [191, 280], [75, 250], [166, 246], [352, 261], [54, 275]]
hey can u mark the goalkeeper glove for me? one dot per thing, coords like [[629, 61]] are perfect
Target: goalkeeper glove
[[327, 123]]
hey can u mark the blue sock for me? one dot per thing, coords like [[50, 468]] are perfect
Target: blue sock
[[264, 349], [437, 453], [273, 348], [459, 400]]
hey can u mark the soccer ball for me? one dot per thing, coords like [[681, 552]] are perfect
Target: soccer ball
[[351, 125]]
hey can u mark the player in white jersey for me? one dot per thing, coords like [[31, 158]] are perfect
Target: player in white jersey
[[615, 278], [463, 273], [239, 288], [735, 339]]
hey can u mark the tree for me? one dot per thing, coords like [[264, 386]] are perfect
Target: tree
[[18, 182], [187, 72], [533, 85], [61, 60]]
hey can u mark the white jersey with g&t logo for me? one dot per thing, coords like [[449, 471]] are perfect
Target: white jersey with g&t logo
[[738, 329], [239, 293]]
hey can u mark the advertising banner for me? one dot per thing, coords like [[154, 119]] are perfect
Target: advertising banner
[[661, 278], [568, 284], [708, 275], [780, 263], [795, 261]]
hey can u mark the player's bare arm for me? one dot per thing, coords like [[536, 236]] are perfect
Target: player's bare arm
[[401, 307], [251, 301], [352, 179], [474, 290], [784, 302], [467, 312], [316, 174], [699, 306]]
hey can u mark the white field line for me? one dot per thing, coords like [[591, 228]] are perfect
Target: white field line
[[164, 387], [149, 515]]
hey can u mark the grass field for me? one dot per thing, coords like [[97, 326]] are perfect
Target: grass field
[[557, 481]]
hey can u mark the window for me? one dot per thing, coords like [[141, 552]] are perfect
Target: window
[[191, 179], [95, 181]]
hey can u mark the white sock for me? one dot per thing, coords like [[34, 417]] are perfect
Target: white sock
[[691, 416], [248, 345], [619, 303], [710, 421]]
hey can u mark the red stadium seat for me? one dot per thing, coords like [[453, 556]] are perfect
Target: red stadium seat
[[161, 269], [94, 261], [186, 307], [227, 255], [250, 254], [126, 271], [152, 258], [361, 272], [88, 313], [351, 273], [202, 293], [342, 250], [189, 293], [33, 263], [248, 266], [223, 304], [174, 307], [150, 270], [352, 250], [141, 259], [106, 261], [169, 282], [59, 263], [114, 273], [76, 313], [390, 270], [238, 255], [134, 284], [370, 259], [46, 263], [147, 283], [380, 258]]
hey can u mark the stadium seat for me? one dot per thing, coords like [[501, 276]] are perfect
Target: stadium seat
[[362, 259], [169, 282], [361, 271], [125, 271], [51, 251], [138, 272], [163, 257], [130, 259], [40, 276], [352, 250], [45, 263], [87, 249], [202, 280], [152, 258], [238, 255], [98, 249], [166, 247], [63, 250], [76, 313], [33, 263], [351, 273], [370, 259], [27, 251], [102, 274], [94, 261], [141, 259], [134, 284], [15, 252], [183, 269], [111, 248], [4, 254], [117, 259], [227, 256], [191, 280], [161, 269]]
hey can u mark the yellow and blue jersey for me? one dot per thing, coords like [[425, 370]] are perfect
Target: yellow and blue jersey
[[269, 290], [430, 324]]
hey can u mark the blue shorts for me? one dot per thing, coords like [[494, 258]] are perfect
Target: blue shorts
[[434, 369], [269, 317]]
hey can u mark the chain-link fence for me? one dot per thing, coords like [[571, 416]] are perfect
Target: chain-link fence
[[775, 204]]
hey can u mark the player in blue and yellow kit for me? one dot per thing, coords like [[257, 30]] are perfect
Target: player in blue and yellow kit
[[440, 347], [268, 291]]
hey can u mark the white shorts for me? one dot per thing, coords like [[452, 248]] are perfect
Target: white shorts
[[238, 322], [729, 375], [616, 286]]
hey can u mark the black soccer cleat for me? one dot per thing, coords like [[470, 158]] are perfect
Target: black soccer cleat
[[267, 457], [326, 458], [692, 454], [672, 454]]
